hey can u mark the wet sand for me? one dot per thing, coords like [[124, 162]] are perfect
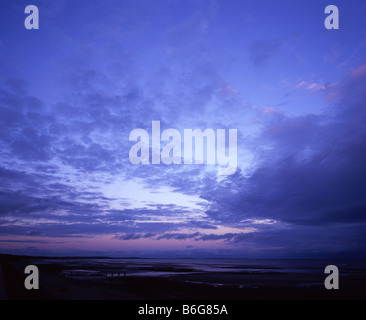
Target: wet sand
[[93, 279]]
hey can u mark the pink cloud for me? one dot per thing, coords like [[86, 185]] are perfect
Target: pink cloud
[[268, 110], [228, 90], [359, 71], [315, 86], [339, 87]]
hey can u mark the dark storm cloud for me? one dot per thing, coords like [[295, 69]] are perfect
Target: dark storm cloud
[[313, 172], [315, 241]]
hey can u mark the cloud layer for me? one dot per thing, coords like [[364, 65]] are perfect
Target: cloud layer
[[296, 96]]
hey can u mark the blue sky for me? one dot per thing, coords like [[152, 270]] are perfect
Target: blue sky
[[72, 91]]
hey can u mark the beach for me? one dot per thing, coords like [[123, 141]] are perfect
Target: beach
[[72, 278]]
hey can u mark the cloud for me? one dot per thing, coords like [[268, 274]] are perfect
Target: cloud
[[134, 236], [358, 72], [17, 85], [190, 30], [308, 175], [311, 173], [314, 86], [178, 236], [29, 241], [64, 128], [196, 236], [261, 51]]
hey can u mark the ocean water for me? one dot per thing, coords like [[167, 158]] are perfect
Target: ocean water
[[217, 272]]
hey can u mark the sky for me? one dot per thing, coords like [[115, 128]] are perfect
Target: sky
[[72, 91]]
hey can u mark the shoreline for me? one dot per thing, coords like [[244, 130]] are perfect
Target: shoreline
[[56, 283]]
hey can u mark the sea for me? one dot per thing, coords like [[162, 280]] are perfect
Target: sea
[[217, 272]]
